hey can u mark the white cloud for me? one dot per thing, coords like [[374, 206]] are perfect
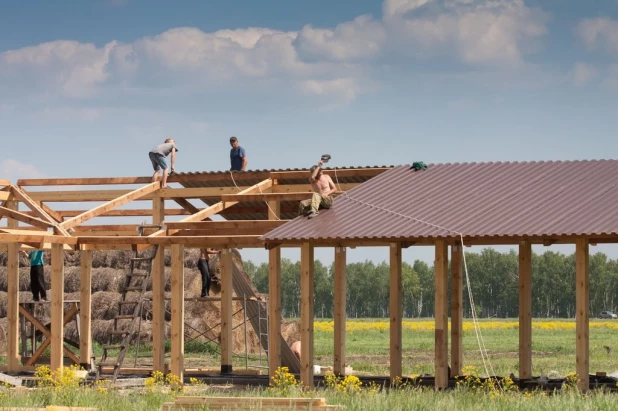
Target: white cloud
[[600, 31], [344, 90], [12, 170], [70, 114], [583, 73]]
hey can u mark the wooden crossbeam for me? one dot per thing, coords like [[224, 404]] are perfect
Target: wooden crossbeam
[[296, 188], [23, 231], [186, 205], [124, 199], [108, 195], [304, 195], [24, 218], [212, 241], [31, 204], [5, 183], [339, 173], [54, 215], [49, 238], [125, 213], [4, 195], [234, 224]]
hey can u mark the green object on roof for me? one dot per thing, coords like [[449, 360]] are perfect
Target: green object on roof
[[418, 165]]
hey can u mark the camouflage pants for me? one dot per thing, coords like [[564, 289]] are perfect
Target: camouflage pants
[[316, 202]]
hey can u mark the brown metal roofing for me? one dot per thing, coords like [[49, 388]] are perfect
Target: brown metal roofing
[[289, 209], [511, 199]]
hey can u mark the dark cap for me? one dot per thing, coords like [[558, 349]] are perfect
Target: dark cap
[[233, 138]]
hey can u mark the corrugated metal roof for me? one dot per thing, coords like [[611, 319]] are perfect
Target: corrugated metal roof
[[503, 199], [289, 209]]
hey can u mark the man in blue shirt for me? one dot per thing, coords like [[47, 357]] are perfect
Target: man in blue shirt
[[37, 274], [238, 158]]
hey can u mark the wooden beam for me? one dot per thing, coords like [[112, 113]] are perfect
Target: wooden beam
[[220, 232], [339, 173], [5, 183], [216, 208], [296, 188], [31, 204], [57, 309], [227, 271], [54, 215], [441, 327], [23, 231], [12, 273], [108, 195], [85, 309], [239, 225], [110, 205], [456, 310], [582, 314], [306, 314], [525, 310], [395, 312], [158, 294], [237, 241], [24, 218], [141, 212], [339, 359], [274, 298], [177, 359], [186, 205], [4, 195], [270, 196], [42, 238]]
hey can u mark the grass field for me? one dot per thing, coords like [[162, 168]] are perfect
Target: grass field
[[367, 352]]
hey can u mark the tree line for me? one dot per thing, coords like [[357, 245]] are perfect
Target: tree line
[[493, 280]]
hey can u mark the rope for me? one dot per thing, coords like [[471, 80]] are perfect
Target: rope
[[259, 188], [477, 329]]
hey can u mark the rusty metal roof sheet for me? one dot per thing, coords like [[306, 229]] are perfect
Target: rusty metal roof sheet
[[497, 199]]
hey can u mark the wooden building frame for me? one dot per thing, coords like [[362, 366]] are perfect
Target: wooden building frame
[[271, 196]]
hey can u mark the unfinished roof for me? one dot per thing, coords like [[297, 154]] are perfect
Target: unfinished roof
[[487, 203]]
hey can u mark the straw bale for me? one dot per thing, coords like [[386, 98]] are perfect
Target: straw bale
[[108, 279], [3, 336], [71, 279], [100, 329], [290, 330], [24, 279], [3, 303], [104, 305]]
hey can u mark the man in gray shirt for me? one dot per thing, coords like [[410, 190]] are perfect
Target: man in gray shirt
[[157, 158]]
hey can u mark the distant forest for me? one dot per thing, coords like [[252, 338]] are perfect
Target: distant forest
[[493, 279]]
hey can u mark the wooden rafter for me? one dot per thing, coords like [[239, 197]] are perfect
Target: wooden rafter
[[235, 224], [269, 196], [108, 195], [24, 218], [339, 173], [110, 205], [40, 238], [57, 217], [31, 204], [186, 205], [238, 241], [5, 183]]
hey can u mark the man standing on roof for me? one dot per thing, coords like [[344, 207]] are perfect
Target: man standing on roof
[[238, 158], [323, 187], [202, 265], [37, 274], [157, 158]]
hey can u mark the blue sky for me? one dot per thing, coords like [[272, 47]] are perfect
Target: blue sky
[[88, 87]]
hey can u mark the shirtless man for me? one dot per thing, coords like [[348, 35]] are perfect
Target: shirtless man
[[323, 187], [202, 265]]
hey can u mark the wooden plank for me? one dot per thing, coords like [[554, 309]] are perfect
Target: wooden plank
[[441, 320], [24, 218], [296, 188], [50, 238], [85, 312], [108, 195], [5, 183], [216, 208], [125, 213], [395, 312], [57, 310], [220, 232], [12, 273], [274, 295], [525, 310], [212, 241], [226, 311], [52, 214], [582, 314], [270, 196], [110, 205], [306, 314], [158, 294], [4, 195], [456, 310], [234, 224], [31, 204], [186, 205], [177, 359], [338, 173], [23, 231], [340, 311]]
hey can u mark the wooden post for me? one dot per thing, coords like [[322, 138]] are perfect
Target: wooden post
[[85, 309], [441, 302], [306, 314], [158, 293], [12, 273], [226, 311], [274, 298], [456, 310], [340, 310], [525, 310], [396, 311], [57, 307], [582, 297], [178, 311]]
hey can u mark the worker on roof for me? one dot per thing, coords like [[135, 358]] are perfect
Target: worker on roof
[[323, 187], [157, 158], [238, 157]]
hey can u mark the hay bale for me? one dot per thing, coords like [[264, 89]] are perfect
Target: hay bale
[[290, 330], [24, 279], [104, 305], [3, 336], [100, 330], [108, 279], [3, 303], [71, 279]]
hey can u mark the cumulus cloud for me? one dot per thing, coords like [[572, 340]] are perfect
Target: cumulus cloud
[[583, 73], [600, 31]]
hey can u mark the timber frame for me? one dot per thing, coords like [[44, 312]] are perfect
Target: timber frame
[[251, 204]]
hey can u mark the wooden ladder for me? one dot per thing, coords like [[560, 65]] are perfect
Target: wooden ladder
[[136, 281]]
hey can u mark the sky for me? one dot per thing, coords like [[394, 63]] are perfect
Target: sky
[[87, 88]]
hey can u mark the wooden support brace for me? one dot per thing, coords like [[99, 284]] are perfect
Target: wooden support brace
[[395, 312], [525, 310], [340, 311], [178, 312], [441, 327], [306, 314], [226, 311]]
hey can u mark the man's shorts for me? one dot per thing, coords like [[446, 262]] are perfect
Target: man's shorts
[[158, 161]]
